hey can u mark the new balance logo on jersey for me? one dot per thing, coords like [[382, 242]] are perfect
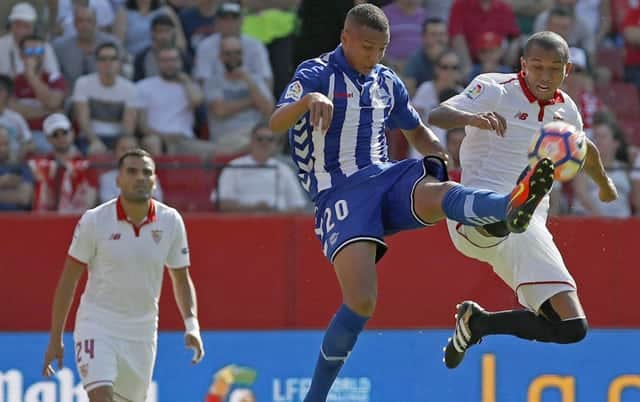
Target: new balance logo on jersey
[[521, 116], [557, 117], [115, 236]]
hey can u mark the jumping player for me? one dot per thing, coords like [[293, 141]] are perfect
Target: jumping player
[[336, 109], [501, 113]]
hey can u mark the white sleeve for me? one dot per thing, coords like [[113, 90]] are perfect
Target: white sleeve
[[143, 95], [133, 99], [262, 58], [226, 184], [179, 252], [80, 90], [481, 95], [83, 245], [24, 128], [51, 64], [576, 118]]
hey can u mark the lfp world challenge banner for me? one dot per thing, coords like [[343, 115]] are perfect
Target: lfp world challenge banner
[[387, 366]]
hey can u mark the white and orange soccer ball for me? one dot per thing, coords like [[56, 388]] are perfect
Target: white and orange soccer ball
[[564, 144]]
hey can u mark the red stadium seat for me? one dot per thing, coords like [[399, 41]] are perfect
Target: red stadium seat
[[621, 98], [613, 59], [186, 181]]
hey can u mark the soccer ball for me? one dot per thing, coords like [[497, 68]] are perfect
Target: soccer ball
[[564, 144]]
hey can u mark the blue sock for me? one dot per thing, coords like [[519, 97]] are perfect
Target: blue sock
[[475, 207], [338, 342]]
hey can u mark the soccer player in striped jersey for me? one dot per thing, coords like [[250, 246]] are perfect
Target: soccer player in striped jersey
[[530, 263], [336, 109]]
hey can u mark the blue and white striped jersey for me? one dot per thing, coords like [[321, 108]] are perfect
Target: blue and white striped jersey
[[364, 106]]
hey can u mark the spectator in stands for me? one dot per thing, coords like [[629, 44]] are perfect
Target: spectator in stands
[[198, 22], [419, 67], [631, 34], [236, 100], [167, 103], [438, 8], [428, 95], [163, 34], [597, 15], [104, 17], [563, 20], [258, 182], [107, 180], [609, 139], [46, 10], [254, 53], [490, 51], [63, 180], [76, 52], [105, 104], [470, 18], [16, 181], [19, 134], [133, 24], [37, 92], [275, 24], [405, 19], [21, 24], [526, 12], [579, 84]]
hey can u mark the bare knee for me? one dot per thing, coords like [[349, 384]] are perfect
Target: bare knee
[[428, 198], [101, 394], [363, 303]]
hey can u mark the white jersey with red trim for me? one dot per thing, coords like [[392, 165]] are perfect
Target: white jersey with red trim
[[126, 264], [492, 162]]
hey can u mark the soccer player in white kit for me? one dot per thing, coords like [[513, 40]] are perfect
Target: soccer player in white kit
[[501, 113], [124, 244]]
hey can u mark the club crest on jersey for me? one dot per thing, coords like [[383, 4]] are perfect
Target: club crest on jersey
[[294, 91], [521, 116], [474, 91], [156, 235]]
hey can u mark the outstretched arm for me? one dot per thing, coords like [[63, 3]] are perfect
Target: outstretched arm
[[447, 117], [594, 168]]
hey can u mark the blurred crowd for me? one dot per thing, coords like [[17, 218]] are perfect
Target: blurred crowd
[[194, 82]]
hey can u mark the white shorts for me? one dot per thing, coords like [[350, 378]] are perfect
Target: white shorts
[[105, 360], [529, 262]]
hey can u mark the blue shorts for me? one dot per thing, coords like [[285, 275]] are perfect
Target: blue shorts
[[368, 207]]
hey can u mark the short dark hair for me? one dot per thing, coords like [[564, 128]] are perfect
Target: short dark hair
[[431, 21], [106, 45], [30, 37], [369, 16], [162, 20], [138, 153], [6, 83], [548, 40]]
